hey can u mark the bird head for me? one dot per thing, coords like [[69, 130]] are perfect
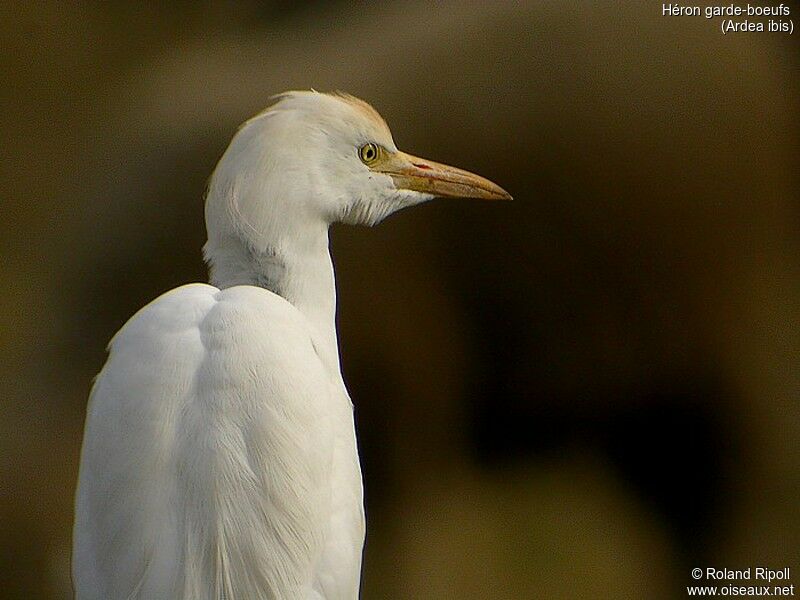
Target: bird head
[[323, 158]]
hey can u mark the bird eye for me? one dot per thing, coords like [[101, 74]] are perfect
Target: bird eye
[[369, 153]]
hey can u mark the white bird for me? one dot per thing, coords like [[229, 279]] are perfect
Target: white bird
[[219, 457]]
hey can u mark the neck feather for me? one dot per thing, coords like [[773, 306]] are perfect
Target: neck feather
[[299, 269]]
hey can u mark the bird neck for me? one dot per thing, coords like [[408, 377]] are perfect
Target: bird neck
[[296, 267]]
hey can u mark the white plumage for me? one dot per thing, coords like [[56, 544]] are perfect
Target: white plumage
[[219, 457]]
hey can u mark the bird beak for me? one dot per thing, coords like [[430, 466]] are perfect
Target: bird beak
[[422, 175]]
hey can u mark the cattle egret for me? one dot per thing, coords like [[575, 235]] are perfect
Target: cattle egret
[[219, 458]]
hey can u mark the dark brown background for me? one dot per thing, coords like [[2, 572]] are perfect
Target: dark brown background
[[581, 394]]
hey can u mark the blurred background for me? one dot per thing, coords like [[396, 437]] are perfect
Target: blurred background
[[581, 394]]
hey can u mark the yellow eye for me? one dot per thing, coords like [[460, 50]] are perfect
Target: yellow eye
[[369, 153]]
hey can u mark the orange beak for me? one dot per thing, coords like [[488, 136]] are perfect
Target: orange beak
[[422, 175]]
